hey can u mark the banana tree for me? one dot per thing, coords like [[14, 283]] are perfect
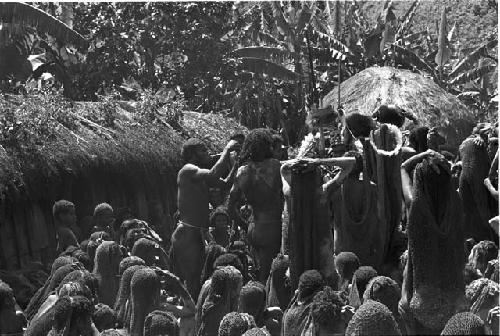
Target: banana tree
[[462, 73], [31, 39], [276, 33]]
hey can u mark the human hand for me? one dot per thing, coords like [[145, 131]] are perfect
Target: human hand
[[478, 141], [233, 145], [494, 222]]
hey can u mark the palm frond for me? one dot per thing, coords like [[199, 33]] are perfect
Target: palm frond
[[406, 21], [472, 75], [473, 57], [24, 14], [261, 66]]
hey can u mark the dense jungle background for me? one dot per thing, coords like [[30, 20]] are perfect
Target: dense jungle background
[[263, 63]]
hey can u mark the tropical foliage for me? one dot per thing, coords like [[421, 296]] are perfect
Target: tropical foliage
[[264, 63]]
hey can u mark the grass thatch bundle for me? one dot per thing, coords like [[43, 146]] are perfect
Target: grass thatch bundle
[[366, 91]]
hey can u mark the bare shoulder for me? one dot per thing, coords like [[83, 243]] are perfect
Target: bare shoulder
[[243, 172], [187, 171]]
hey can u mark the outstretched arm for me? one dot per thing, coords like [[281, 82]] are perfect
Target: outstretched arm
[[342, 162], [229, 180]]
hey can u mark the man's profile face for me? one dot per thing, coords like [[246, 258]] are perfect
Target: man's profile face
[[202, 156]]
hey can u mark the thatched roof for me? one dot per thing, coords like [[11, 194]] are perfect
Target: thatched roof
[[42, 137], [431, 105], [213, 129]]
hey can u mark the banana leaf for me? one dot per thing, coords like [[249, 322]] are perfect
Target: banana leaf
[[265, 53], [24, 14], [411, 58], [472, 75], [282, 24], [444, 53], [406, 20], [473, 57], [261, 66]]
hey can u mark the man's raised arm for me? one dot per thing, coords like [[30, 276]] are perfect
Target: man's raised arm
[[213, 175]]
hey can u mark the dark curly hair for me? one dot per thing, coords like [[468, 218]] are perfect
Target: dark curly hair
[[418, 138], [234, 323], [258, 146], [229, 259], [160, 323], [326, 308], [310, 282], [104, 317]]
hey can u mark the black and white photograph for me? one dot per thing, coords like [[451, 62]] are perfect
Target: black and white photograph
[[249, 168]]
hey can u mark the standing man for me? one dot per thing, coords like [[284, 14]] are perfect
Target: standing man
[[64, 218], [259, 180], [188, 240]]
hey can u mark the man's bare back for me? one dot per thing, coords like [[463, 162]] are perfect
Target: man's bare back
[[192, 197], [261, 184]]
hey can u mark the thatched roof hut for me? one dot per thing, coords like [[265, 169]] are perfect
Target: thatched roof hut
[[89, 153], [431, 105]]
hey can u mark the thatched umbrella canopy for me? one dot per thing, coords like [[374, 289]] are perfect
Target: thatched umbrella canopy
[[429, 103]]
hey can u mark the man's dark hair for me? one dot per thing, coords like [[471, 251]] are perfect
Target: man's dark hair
[[238, 136], [101, 209], [418, 138], [190, 147], [258, 146], [229, 259], [326, 308], [61, 207], [310, 282]]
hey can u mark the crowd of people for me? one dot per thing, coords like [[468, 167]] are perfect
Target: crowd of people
[[411, 245]]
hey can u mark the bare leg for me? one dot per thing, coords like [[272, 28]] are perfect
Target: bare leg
[[188, 254], [266, 254]]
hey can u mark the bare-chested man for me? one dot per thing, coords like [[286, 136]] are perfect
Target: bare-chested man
[[188, 246], [259, 180]]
